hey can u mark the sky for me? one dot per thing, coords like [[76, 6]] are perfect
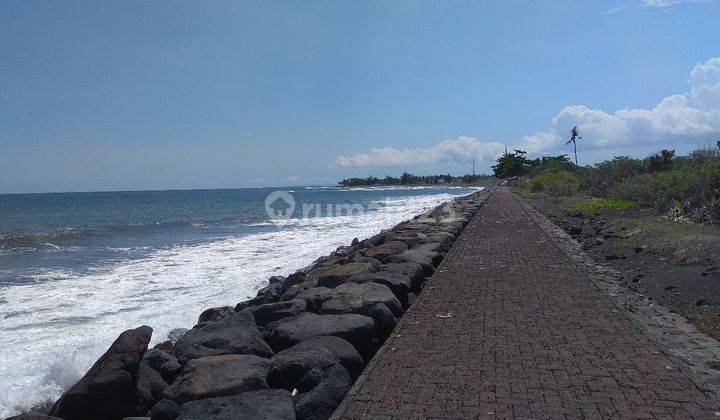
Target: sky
[[129, 95]]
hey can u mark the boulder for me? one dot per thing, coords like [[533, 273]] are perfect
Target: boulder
[[358, 330], [427, 259], [317, 375], [165, 410], [325, 397], [315, 296], [411, 269], [410, 238], [429, 247], [108, 389], [150, 386], [357, 298], [235, 334], [215, 314], [385, 320], [385, 250], [269, 404], [337, 274], [399, 284], [166, 345], [162, 362], [218, 376], [270, 312], [336, 347], [176, 333], [272, 292]]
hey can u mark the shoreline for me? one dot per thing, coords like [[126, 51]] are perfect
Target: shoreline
[[351, 298]]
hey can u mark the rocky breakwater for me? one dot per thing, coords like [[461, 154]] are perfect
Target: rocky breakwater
[[293, 351]]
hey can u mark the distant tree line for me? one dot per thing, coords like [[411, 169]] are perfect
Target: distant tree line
[[408, 178]]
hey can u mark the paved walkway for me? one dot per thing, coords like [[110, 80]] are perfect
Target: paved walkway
[[507, 327]]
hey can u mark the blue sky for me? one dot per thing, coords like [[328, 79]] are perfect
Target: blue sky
[[147, 95]]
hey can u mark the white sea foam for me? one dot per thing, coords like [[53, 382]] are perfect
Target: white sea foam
[[54, 329]]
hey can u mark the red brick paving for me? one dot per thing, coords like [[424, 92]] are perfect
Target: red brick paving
[[507, 327]]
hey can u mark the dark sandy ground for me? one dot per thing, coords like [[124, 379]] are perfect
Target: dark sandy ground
[[674, 263]]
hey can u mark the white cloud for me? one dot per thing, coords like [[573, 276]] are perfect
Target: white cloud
[[614, 10], [686, 117], [661, 4], [462, 149]]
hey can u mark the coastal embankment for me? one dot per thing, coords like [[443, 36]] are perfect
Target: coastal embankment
[[293, 351]]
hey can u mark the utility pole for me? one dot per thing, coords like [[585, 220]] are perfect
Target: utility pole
[[473, 167]]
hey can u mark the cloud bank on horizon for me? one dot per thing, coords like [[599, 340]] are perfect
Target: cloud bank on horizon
[[681, 118]]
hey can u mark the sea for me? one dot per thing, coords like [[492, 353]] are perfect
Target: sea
[[76, 269]]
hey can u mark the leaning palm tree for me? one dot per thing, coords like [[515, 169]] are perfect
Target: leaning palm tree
[[574, 137]]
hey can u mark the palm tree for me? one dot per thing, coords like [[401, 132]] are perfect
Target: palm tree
[[574, 137]]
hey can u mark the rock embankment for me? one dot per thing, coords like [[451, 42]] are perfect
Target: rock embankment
[[291, 352]]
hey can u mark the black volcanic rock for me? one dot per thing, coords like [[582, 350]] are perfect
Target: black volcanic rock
[[270, 312], [359, 330], [269, 404], [215, 314], [357, 298], [218, 376], [399, 284], [108, 389], [235, 334]]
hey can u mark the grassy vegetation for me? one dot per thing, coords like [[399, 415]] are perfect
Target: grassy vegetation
[[598, 205], [687, 186]]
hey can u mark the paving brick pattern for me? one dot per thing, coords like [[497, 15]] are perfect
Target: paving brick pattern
[[508, 328]]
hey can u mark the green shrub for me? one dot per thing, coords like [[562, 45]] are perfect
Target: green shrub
[[688, 187], [558, 183]]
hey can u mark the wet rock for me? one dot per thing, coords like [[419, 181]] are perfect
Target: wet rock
[[218, 376], [270, 312], [358, 330], [337, 274], [700, 302], [638, 249], [359, 297], [165, 410], [399, 284], [107, 390], [574, 230], [615, 257], [269, 404], [235, 334], [175, 334], [355, 242], [215, 314]]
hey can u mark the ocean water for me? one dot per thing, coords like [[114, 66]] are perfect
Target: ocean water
[[76, 269]]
